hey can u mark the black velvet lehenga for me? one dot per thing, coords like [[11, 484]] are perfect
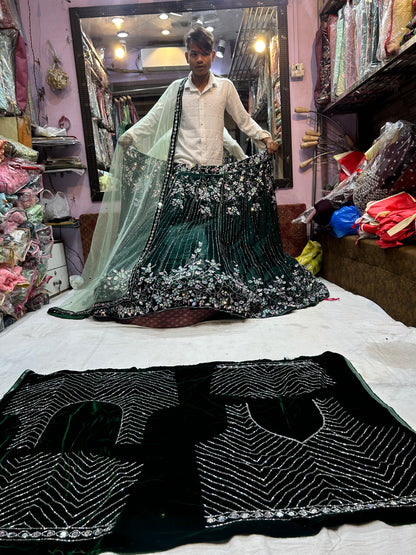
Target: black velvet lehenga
[[173, 237], [142, 460]]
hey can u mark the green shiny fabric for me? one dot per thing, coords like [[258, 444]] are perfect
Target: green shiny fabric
[[171, 237], [141, 460], [215, 244]]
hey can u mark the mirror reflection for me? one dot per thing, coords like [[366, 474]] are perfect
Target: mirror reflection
[[128, 59]]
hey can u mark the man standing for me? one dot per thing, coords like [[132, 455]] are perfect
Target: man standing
[[206, 97]]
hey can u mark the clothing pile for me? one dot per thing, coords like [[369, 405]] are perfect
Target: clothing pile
[[377, 199], [391, 219], [25, 241]]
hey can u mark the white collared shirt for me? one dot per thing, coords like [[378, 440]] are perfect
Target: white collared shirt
[[200, 137]]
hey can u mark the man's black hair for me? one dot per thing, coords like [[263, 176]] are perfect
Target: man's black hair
[[201, 37]]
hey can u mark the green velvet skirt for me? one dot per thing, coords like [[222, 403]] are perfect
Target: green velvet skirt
[[215, 244]]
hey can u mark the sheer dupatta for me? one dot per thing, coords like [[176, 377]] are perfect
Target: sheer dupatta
[[142, 163]]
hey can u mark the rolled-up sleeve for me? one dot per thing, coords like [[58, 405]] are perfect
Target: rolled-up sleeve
[[242, 118]]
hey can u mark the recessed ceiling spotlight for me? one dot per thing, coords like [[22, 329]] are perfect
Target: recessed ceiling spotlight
[[120, 50], [163, 16], [260, 46], [165, 32], [122, 34], [220, 48], [117, 21], [210, 28]]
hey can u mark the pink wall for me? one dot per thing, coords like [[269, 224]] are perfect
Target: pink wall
[[45, 20], [302, 27]]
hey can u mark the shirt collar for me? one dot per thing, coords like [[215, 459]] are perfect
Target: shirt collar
[[212, 82]]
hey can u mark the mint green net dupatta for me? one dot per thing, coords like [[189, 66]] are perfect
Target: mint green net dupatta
[[141, 164]]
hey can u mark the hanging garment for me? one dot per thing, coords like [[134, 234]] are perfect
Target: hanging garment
[[322, 93], [134, 117], [332, 38], [350, 46], [8, 43], [396, 14], [172, 236], [338, 77], [6, 15]]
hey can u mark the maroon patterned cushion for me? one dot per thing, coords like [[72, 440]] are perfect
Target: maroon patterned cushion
[[294, 236], [87, 224]]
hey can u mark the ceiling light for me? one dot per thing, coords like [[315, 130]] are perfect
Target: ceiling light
[[117, 21], [163, 16], [260, 46], [120, 50], [122, 34], [165, 32], [221, 48], [210, 28]]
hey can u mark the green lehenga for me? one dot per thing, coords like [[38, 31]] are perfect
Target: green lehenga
[[189, 238]]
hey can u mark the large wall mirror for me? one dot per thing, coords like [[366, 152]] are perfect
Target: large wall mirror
[[150, 37]]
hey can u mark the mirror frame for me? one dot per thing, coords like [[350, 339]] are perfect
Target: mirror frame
[[76, 14]]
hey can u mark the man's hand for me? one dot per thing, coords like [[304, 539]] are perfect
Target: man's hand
[[125, 141], [271, 145]]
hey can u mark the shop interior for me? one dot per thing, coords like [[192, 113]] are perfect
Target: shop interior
[[79, 395]]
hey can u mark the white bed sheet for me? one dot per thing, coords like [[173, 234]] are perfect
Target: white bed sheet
[[381, 349]]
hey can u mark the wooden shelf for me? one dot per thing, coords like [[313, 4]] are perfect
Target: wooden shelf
[[79, 171], [332, 6], [384, 80], [54, 141]]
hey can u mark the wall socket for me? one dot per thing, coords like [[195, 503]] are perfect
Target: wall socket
[[298, 70]]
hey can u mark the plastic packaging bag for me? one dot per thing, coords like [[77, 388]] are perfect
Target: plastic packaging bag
[[343, 220], [46, 131], [395, 15], [56, 206], [311, 257]]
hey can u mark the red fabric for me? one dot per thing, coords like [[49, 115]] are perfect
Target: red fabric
[[369, 228], [380, 208], [390, 212], [386, 239], [349, 163]]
